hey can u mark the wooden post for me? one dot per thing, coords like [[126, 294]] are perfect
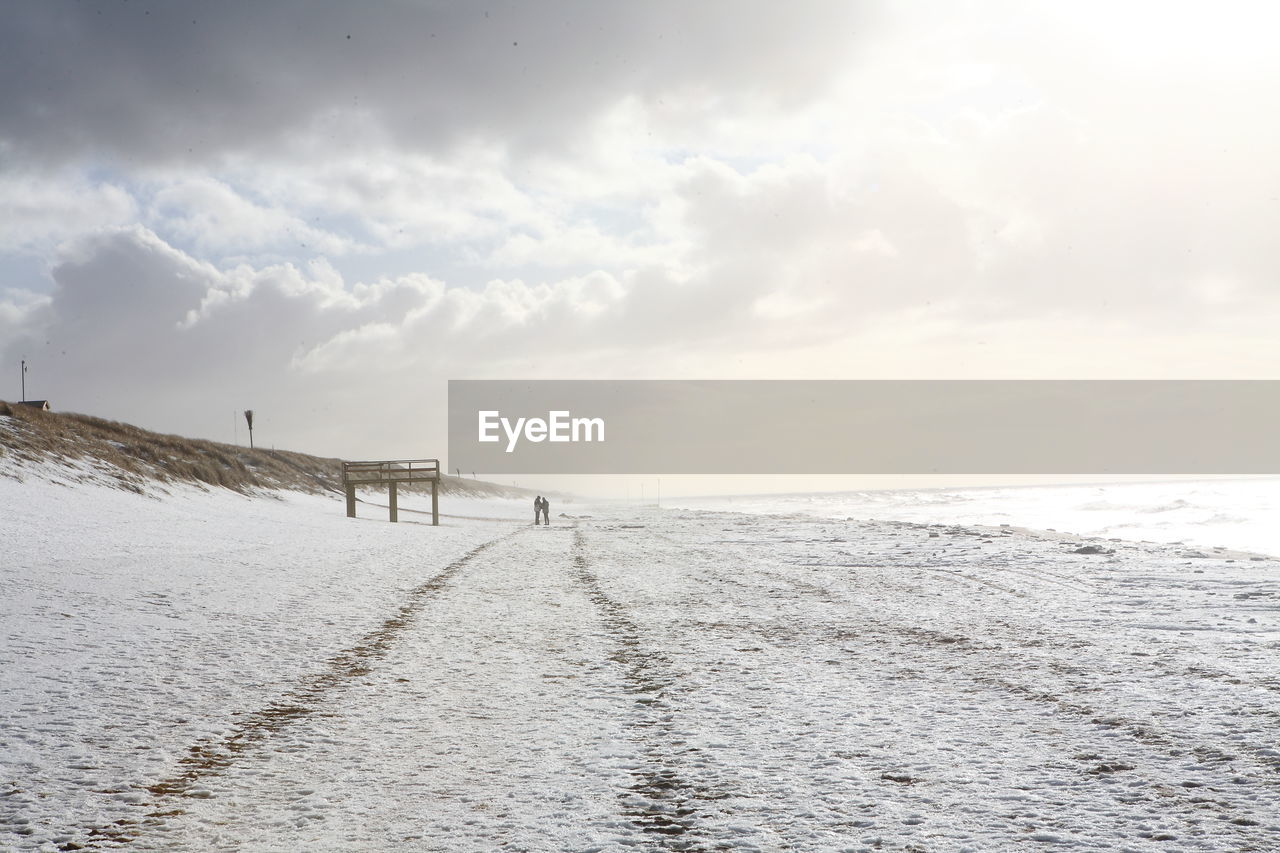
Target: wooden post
[[392, 473]]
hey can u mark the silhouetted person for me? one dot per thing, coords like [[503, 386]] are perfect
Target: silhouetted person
[[537, 510], [546, 511]]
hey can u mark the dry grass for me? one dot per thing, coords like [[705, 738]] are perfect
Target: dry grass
[[137, 459]]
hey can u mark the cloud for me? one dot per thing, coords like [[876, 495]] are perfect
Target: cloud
[[190, 81], [239, 201], [174, 328], [216, 219], [38, 209], [403, 198], [20, 312]]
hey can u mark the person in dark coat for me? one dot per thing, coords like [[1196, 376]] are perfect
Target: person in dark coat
[[537, 510], [546, 511]]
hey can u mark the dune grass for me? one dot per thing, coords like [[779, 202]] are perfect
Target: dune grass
[[136, 459]]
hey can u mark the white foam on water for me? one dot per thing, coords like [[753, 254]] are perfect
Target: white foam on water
[[1235, 514]]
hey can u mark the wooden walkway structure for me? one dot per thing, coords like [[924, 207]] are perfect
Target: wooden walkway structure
[[392, 473]]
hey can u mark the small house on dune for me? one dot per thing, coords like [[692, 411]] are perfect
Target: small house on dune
[[42, 405]]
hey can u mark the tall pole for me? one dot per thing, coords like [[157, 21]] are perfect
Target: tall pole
[[24, 380]]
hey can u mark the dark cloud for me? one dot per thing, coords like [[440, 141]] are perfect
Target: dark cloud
[[139, 80]]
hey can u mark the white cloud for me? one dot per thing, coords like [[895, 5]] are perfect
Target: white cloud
[[38, 210], [20, 311], [402, 198], [218, 220]]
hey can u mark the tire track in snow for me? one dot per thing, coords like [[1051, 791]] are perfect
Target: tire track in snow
[[662, 801], [1237, 814], [1150, 732], [1187, 774], [208, 759]]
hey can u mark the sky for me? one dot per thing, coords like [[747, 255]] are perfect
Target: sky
[[323, 211]]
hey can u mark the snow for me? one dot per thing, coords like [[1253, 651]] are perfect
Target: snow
[[213, 671]]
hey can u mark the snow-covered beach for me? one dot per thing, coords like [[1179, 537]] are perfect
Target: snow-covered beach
[[992, 288], [211, 671]]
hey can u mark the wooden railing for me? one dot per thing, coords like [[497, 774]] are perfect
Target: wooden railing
[[392, 472]]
